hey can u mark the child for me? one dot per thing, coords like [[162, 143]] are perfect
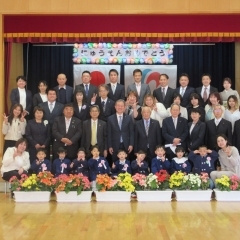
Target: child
[[122, 165], [160, 162], [203, 161], [180, 163], [139, 165], [41, 164], [97, 165], [80, 164], [61, 165]]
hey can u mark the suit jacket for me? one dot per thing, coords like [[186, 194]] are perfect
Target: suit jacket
[[185, 99], [145, 89], [236, 135], [96, 167], [199, 90], [15, 98], [120, 168], [109, 108], [92, 90], [196, 137], [212, 131], [114, 132], [169, 132], [69, 94], [83, 114], [157, 93], [45, 165], [101, 136], [142, 141], [74, 133], [56, 112], [37, 100], [118, 94]]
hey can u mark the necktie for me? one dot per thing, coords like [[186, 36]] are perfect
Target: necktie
[[103, 106], [205, 95], [94, 134], [120, 126], [86, 89], [147, 126], [51, 107], [182, 92], [163, 93], [113, 88], [175, 122]]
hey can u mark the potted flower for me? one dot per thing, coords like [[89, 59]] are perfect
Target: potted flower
[[117, 189], [154, 187], [191, 187], [35, 188], [72, 188], [227, 188]]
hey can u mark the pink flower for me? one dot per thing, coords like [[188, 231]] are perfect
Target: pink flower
[[208, 159], [63, 165], [184, 165], [100, 165], [102, 161], [44, 167]]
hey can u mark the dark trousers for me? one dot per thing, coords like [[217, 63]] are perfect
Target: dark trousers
[[7, 175], [7, 144]]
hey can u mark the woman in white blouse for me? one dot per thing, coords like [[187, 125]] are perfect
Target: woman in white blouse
[[159, 112], [15, 160], [232, 113], [13, 126], [41, 96]]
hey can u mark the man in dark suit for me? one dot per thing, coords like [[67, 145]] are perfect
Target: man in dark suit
[[164, 94], [184, 90], [141, 88], [94, 135], [120, 132], [116, 90], [89, 89], [21, 95], [105, 104], [64, 92], [52, 109], [175, 130], [147, 134], [67, 131], [216, 126], [236, 135], [206, 89]]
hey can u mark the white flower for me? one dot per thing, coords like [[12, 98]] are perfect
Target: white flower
[[45, 122], [84, 106]]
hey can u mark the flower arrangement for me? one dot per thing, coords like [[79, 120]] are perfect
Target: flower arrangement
[[158, 181], [123, 182], [44, 181], [180, 181], [71, 182], [226, 184]]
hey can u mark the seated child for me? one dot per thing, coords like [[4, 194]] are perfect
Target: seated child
[[122, 165], [97, 165], [180, 163], [139, 165], [61, 165], [40, 164], [160, 162], [203, 161], [80, 164]]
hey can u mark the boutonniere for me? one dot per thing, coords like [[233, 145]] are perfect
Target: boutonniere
[[45, 122], [84, 107], [125, 166], [63, 165], [44, 167], [208, 161], [184, 165]]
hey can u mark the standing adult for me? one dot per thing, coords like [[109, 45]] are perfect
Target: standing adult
[[164, 94], [141, 88], [94, 133], [120, 131], [41, 96], [67, 131], [116, 90], [132, 107], [195, 100]]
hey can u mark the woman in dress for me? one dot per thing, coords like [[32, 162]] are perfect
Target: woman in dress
[[41, 96]]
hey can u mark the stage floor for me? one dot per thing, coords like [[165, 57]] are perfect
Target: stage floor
[[128, 221]]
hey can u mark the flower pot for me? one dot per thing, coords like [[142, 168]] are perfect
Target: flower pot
[[113, 196], [84, 196], [193, 195], [227, 195], [38, 196], [154, 196]]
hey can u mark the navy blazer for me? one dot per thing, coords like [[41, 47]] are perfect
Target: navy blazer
[[45, 165], [185, 98], [96, 167], [15, 99], [199, 90], [58, 169], [158, 164], [142, 141], [83, 114], [121, 168], [91, 90], [118, 94], [169, 132], [196, 137], [114, 132], [167, 102], [69, 94], [37, 100], [184, 167], [80, 166], [141, 170]]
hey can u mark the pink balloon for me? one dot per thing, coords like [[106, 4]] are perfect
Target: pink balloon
[[78, 60], [80, 45], [146, 60], [114, 45], [139, 45], [132, 60], [110, 60], [100, 45], [93, 60], [170, 51], [75, 60], [150, 61], [167, 60], [120, 45], [128, 60], [162, 60], [157, 45]]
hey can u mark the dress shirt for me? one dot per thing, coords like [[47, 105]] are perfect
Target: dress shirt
[[22, 97]]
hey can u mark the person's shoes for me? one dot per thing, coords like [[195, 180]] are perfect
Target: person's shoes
[[133, 195]]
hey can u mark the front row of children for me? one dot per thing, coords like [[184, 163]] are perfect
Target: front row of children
[[202, 160]]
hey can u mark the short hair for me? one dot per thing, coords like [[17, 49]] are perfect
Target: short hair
[[84, 101], [235, 100], [217, 95], [141, 152], [95, 146], [122, 150], [177, 95], [62, 150], [21, 77], [194, 95], [95, 106], [179, 149], [112, 70], [43, 82], [21, 140], [184, 75], [81, 149], [195, 110], [104, 86], [165, 75], [86, 72], [120, 100], [38, 108], [160, 146], [227, 79], [174, 104], [217, 105], [202, 146], [68, 105], [134, 93], [146, 107], [206, 75], [51, 90], [137, 71], [41, 150]]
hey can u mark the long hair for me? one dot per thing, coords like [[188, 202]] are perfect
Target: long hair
[[11, 115]]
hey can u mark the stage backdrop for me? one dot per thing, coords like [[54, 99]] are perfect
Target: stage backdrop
[[99, 73], [150, 75]]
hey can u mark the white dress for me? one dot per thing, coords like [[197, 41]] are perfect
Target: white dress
[[159, 114], [232, 117]]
